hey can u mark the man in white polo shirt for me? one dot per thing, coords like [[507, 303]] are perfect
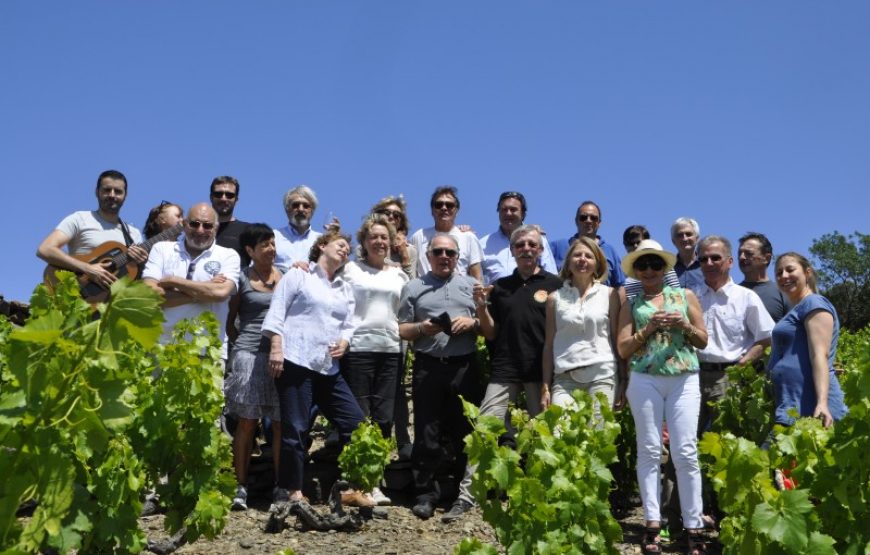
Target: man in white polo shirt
[[194, 274]]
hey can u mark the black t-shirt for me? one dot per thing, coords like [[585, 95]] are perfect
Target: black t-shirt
[[228, 236], [519, 309]]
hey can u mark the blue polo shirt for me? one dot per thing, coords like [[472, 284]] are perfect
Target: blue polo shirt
[[691, 276], [615, 277]]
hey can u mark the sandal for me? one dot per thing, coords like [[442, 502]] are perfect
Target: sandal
[[652, 541], [696, 543]]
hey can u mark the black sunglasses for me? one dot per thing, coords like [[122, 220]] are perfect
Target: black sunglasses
[[390, 213], [300, 204], [196, 224], [590, 217], [444, 204], [648, 261], [224, 194], [526, 243], [450, 253]]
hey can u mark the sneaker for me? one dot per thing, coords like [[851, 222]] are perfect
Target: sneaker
[[459, 508], [240, 501], [423, 509], [280, 495], [380, 498], [356, 498]]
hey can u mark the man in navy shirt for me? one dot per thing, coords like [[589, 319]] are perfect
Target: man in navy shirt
[[588, 220]]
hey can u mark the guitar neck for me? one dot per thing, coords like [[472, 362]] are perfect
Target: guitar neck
[[166, 235]]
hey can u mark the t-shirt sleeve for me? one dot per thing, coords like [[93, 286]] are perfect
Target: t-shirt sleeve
[[815, 302], [154, 264], [406, 305], [70, 225]]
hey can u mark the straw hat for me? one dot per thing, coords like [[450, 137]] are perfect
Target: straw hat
[[647, 246]]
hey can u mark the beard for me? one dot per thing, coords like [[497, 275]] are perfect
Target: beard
[[301, 221], [110, 206]]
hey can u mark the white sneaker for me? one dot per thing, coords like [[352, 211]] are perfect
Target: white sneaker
[[380, 498]]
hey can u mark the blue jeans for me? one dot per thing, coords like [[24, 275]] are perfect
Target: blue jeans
[[298, 389]]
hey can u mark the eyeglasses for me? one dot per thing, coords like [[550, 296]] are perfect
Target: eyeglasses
[[224, 194], [589, 217], [196, 224], [526, 243], [449, 253], [300, 204], [711, 258], [439, 204], [396, 214], [644, 262]]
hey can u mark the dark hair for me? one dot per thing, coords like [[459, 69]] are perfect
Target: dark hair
[[633, 232], [254, 234], [151, 227], [224, 179], [766, 247], [112, 174], [325, 239], [588, 203], [512, 194], [444, 190]]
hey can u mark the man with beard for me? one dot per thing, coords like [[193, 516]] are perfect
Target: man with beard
[[194, 274], [224, 196], [81, 232], [498, 261], [294, 241]]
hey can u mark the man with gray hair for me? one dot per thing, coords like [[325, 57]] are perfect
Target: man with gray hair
[[294, 241], [685, 234], [436, 313]]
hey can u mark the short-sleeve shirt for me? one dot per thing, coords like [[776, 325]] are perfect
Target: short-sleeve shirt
[[735, 319], [291, 246], [253, 305], [518, 307], [470, 251], [499, 262], [428, 297], [170, 258], [774, 301], [791, 369], [615, 275], [87, 230], [665, 352]]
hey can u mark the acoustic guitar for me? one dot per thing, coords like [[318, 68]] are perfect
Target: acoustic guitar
[[112, 255]]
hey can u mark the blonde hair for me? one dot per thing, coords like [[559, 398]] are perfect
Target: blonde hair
[[601, 268], [371, 221]]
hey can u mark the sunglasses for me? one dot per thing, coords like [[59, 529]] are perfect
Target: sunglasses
[[224, 194], [196, 224], [644, 262], [444, 204], [390, 213], [300, 204], [526, 243], [449, 253], [587, 217], [712, 258]]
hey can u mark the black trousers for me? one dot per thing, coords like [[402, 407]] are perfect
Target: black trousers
[[372, 379], [436, 387]]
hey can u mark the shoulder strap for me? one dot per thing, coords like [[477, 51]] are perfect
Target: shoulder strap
[[127, 238]]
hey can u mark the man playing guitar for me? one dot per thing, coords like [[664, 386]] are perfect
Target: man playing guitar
[[81, 232]]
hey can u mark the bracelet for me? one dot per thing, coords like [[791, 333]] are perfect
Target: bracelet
[[639, 337], [689, 333]]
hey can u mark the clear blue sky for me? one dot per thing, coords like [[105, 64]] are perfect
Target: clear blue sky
[[744, 115]]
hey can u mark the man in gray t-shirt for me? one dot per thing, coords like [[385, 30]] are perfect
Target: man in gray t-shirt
[[444, 365], [754, 256], [84, 231]]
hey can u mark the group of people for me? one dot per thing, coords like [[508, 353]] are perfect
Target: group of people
[[316, 324]]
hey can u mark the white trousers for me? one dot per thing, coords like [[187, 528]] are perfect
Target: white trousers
[[676, 399]]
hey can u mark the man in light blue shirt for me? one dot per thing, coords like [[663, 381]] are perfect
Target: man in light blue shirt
[[498, 262], [293, 241]]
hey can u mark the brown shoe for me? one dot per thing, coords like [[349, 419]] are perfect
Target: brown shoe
[[356, 498]]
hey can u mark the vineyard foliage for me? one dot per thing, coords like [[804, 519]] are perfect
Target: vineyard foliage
[[93, 412], [556, 482], [367, 454]]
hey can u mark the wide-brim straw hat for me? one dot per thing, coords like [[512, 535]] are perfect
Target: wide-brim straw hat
[[647, 246]]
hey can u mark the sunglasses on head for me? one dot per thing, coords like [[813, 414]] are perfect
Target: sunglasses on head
[[390, 213], [224, 194], [439, 204], [649, 261], [450, 253], [196, 224]]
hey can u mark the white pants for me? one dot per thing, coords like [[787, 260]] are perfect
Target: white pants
[[495, 403], [678, 400]]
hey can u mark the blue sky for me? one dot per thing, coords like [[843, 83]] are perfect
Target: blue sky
[[744, 115]]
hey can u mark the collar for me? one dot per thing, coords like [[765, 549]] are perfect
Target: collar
[[536, 276], [292, 231], [181, 245], [724, 289]]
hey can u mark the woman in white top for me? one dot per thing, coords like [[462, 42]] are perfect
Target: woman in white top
[[580, 331]]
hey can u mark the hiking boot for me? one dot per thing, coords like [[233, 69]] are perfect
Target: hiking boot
[[459, 508], [424, 509]]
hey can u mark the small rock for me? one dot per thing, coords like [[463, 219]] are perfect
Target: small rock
[[246, 543], [380, 512]]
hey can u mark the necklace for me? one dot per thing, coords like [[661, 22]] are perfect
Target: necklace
[[650, 297], [267, 284]]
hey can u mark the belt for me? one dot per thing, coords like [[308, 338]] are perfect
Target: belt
[[444, 360], [716, 366]]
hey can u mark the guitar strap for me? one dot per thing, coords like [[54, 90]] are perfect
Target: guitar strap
[[128, 239]]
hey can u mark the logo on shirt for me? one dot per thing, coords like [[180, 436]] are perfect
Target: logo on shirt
[[541, 295], [212, 267]]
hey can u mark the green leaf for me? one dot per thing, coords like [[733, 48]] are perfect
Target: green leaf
[[784, 520]]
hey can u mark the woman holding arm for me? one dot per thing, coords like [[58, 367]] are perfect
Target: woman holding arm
[[804, 344], [659, 331], [580, 331], [249, 389], [309, 325]]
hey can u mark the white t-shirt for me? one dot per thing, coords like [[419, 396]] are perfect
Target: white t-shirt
[[375, 320], [87, 230], [170, 258], [470, 251]]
